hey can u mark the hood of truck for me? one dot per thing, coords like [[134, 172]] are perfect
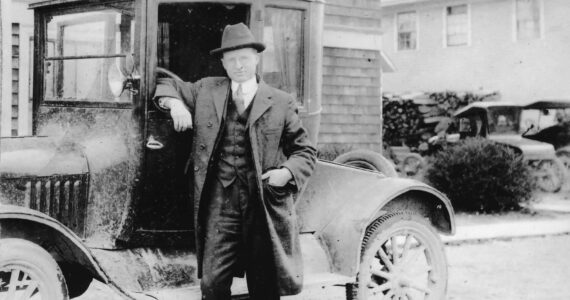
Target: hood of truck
[[530, 148], [40, 156]]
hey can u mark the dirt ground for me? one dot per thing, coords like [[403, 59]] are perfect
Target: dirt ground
[[520, 269]]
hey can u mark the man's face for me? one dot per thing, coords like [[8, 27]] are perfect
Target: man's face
[[240, 64]]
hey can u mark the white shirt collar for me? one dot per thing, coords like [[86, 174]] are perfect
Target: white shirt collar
[[249, 88]]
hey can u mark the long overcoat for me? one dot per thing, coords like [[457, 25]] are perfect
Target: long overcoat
[[277, 140]]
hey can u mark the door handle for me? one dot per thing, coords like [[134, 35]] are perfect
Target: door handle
[[153, 144]]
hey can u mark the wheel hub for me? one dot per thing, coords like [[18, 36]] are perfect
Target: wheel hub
[[16, 283]]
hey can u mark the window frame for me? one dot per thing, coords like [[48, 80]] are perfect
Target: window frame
[[305, 84], [541, 24], [445, 24], [42, 17], [397, 32]]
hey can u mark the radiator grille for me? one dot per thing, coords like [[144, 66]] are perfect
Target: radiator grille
[[63, 197]]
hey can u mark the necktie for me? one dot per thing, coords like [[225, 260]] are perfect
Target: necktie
[[239, 99]]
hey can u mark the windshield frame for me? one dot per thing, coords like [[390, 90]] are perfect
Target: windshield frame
[[42, 18], [491, 120]]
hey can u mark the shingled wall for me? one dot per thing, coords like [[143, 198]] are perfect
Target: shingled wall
[[351, 96]]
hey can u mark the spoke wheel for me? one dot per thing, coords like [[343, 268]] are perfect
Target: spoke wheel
[[27, 271], [550, 175], [402, 259]]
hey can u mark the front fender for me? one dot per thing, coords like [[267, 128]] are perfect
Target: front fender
[[21, 222], [340, 202]]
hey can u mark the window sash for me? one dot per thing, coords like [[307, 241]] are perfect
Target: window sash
[[407, 30], [457, 25], [527, 19]]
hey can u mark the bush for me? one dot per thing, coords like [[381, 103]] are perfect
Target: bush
[[481, 175], [331, 151]]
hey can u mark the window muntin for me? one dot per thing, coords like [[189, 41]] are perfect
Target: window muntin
[[527, 19], [283, 63], [457, 25], [83, 49], [407, 30]]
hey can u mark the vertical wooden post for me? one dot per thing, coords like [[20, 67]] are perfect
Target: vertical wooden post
[[6, 69], [1, 52]]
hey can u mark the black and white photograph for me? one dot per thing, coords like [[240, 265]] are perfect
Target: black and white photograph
[[284, 149]]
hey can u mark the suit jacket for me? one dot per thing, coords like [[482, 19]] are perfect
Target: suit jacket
[[277, 139]]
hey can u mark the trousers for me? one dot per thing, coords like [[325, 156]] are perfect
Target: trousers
[[236, 241]]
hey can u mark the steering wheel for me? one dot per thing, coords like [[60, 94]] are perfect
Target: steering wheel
[[162, 72]]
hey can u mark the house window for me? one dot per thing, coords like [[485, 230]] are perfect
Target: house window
[[407, 31], [457, 25], [527, 19]]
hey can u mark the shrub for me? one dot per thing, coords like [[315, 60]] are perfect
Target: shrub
[[481, 175], [331, 151]]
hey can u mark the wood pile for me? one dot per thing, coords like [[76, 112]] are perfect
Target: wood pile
[[411, 119]]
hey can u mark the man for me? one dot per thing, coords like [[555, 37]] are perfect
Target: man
[[250, 155]]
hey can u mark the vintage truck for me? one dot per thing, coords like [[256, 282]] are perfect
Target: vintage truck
[[501, 122], [540, 121], [99, 190]]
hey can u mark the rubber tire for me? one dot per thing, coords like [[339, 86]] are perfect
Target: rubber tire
[[560, 170], [406, 160], [369, 160], [38, 264], [403, 222]]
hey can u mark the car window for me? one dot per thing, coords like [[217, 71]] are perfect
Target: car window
[[84, 52], [504, 120]]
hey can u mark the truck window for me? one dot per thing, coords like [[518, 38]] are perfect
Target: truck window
[[84, 49], [283, 56]]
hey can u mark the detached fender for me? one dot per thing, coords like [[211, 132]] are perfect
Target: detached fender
[[25, 223], [340, 202]]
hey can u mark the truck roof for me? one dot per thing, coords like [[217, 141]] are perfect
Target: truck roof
[[483, 105], [549, 104]]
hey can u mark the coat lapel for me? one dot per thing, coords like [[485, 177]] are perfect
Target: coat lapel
[[220, 94], [261, 103]]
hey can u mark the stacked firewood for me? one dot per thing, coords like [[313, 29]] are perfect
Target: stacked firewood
[[411, 119]]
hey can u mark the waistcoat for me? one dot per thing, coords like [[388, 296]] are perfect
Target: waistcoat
[[234, 151]]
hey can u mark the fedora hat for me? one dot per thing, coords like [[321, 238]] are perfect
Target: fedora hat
[[235, 37]]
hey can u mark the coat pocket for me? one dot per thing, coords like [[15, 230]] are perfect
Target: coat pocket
[[277, 194]]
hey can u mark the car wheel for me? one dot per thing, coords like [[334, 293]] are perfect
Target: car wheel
[[550, 175], [369, 160], [412, 165], [27, 271], [402, 258]]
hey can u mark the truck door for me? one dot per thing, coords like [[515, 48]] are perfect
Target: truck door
[[181, 36]]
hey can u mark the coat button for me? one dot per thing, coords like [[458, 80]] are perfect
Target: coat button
[[196, 168], [202, 146], [210, 124]]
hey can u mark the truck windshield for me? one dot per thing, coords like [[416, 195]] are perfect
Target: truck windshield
[[83, 49], [504, 120]]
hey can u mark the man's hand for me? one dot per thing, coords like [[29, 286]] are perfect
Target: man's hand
[[181, 117], [277, 177]]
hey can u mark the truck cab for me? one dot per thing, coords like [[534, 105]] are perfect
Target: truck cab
[[101, 190]]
